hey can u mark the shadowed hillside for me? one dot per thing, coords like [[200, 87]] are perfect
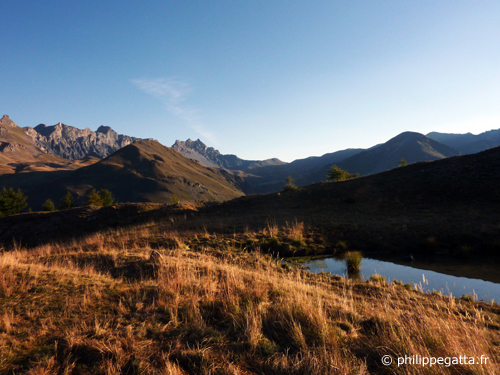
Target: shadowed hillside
[[304, 171], [144, 171], [426, 207], [268, 176], [412, 147]]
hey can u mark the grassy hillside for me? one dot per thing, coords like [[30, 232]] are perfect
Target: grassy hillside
[[80, 294], [144, 171], [99, 305], [425, 208]]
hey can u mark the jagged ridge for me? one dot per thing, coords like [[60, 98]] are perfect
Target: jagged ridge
[[210, 157], [71, 143]]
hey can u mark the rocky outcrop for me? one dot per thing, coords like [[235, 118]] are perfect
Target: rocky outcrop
[[15, 144], [210, 157], [71, 143]]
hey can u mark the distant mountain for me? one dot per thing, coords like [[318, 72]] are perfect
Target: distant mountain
[[72, 143], [210, 157], [411, 146], [19, 152], [262, 176], [144, 171], [304, 172], [468, 143]]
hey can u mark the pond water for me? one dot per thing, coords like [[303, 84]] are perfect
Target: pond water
[[423, 280]]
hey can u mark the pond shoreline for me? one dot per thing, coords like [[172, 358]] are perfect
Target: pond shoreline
[[455, 277]]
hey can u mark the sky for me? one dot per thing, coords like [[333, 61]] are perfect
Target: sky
[[259, 79]]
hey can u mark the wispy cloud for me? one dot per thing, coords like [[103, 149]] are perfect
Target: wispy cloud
[[173, 94]]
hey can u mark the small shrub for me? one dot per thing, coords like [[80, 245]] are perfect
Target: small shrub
[[285, 266], [408, 287], [297, 234], [436, 293], [375, 326], [289, 184], [106, 197], [175, 200], [101, 198], [353, 261], [94, 199], [337, 174], [396, 282], [48, 206], [67, 202], [12, 202]]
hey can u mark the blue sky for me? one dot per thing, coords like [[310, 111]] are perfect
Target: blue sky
[[258, 79]]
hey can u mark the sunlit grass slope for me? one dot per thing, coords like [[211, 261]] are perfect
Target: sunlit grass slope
[[99, 305]]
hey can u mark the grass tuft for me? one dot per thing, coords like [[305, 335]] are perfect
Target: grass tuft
[[353, 261]]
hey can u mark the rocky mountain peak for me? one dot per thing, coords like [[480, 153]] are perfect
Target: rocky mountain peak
[[210, 157], [72, 143], [6, 121], [104, 129]]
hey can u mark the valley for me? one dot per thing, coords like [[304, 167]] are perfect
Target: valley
[[217, 297]]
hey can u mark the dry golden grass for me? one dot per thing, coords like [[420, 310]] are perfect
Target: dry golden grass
[[99, 306]]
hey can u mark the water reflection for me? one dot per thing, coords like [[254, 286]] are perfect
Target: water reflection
[[424, 280]]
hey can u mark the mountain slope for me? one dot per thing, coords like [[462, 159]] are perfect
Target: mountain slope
[[468, 143], [209, 157], [304, 171], [144, 171], [423, 209], [263, 176], [19, 153], [411, 146], [445, 204], [71, 143]]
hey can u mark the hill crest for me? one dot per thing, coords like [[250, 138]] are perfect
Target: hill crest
[[411, 146], [144, 171]]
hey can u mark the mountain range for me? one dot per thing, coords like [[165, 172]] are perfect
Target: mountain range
[[47, 161], [72, 143], [468, 143], [209, 157], [141, 171], [448, 205], [145, 171], [20, 154], [265, 177]]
